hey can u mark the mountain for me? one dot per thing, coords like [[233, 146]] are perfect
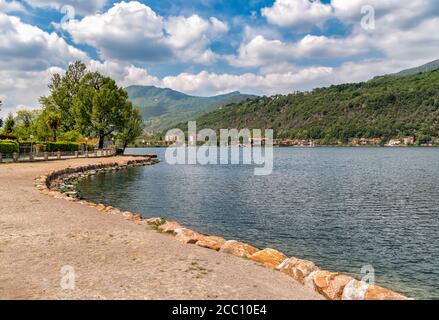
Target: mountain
[[165, 108], [383, 107], [431, 66]]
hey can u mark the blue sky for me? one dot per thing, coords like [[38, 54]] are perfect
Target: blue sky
[[208, 47]]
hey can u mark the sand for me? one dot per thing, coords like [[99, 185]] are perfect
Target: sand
[[54, 249]]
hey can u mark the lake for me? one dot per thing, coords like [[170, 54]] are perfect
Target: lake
[[342, 208]]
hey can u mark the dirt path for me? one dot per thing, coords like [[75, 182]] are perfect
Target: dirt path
[[111, 258]]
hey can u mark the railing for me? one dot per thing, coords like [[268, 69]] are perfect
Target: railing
[[58, 155]]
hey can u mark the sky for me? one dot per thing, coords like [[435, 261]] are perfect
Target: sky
[[210, 47]]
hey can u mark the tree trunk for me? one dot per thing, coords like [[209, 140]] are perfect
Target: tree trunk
[[101, 141], [125, 145], [54, 135]]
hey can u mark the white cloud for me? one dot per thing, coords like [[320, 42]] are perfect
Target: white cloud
[[28, 57], [26, 47], [205, 83], [11, 6], [297, 13], [82, 7], [133, 31], [125, 74], [23, 88], [262, 52]]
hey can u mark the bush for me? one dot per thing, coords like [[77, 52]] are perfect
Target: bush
[[63, 147], [71, 136], [7, 137], [8, 146]]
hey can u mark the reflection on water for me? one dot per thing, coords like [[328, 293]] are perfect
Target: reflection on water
[[342, 208]]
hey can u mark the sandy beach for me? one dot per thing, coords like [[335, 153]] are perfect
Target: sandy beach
[[112, 258]]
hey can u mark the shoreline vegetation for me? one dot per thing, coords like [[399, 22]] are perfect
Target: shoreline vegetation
[[331, 285]]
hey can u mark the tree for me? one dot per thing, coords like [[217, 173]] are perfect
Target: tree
[[1, 120], [133, 127], [53, 121], [63, 91], [100, 107], [9, 124], [24, 123]]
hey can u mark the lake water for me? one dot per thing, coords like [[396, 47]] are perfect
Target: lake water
[[342, 208]]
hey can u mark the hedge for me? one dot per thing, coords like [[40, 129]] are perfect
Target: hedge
[[8, 146], [63, 146], [8, 137]]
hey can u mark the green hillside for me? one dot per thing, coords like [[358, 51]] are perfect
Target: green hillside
[[431, 66], [165, 108], [380, 108]]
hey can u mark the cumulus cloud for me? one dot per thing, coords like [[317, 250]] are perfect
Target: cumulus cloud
[[297, 13], [308, 13], [261, 52], [133, 31], [82, 7], [11, 6], [26, 47], [28, 57]]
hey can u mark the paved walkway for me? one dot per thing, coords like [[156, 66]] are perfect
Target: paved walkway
[[112, 258]]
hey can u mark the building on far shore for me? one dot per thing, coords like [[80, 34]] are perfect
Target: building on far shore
[[298, 142], [365, 142]]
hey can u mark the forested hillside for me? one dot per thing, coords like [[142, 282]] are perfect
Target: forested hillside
[[384, 107]]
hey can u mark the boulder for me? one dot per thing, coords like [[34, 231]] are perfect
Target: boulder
[[169, 226], [379, 293], [156, 221], [269, 257], [239, 249], [297, 269], [135, 217], [355, 290], [211, 242], [330, 284], [187, 236]]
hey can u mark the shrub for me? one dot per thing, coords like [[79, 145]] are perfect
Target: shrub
[[63, 147], [7, 137], [8, 146], [71, 136]]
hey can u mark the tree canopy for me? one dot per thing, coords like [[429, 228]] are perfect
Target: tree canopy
[[80, 104]]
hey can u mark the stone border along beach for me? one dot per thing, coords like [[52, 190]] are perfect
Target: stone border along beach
[[331, 285]]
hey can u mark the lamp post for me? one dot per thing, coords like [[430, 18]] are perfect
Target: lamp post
[[86, 146], [31, 138], [31, 156]]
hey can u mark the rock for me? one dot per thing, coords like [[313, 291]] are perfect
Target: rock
[[355, 290], [211, 242], [297, 269], [269, 257], [169, 226], [239, 249], [330, 284], [155, 221], [135, 217], [379, 293], [187, 236]]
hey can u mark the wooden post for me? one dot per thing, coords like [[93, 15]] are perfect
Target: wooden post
[[15, 157], [58, 155], [76, 154], [31, 156], [46, 156]]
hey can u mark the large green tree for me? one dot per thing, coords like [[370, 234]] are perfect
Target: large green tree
[[63, 91], [100, 107], [133, 127], [9, 124]]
